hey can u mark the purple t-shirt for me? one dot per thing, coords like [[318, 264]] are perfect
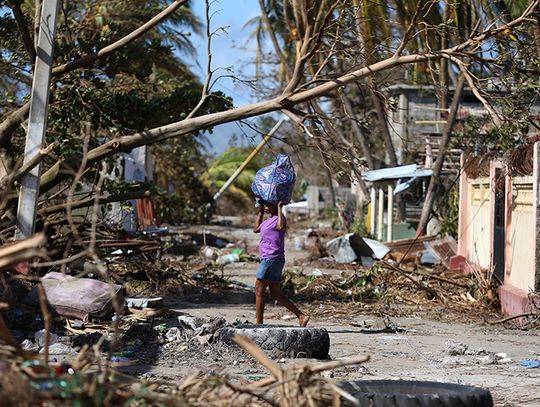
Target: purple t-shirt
[[272, 244]]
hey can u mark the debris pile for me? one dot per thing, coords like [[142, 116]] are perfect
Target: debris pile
[[394, 290], [91, 379], [460, 353]]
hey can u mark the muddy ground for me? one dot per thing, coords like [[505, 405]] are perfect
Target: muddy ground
[[431, 344]]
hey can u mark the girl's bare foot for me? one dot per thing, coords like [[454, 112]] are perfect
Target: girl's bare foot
[[303, 319]]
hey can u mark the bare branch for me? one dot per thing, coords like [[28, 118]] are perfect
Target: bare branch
[[410, 28], [26, 168], [209, 72], [126, 143], [12, 122], [23, 29], [273, 38], [85, 203], [22, 250]]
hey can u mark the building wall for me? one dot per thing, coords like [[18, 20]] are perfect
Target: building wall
[[477, 221], [479, 241], [521, 238]]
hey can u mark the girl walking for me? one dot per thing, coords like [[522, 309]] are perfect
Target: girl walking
[[272, 253]]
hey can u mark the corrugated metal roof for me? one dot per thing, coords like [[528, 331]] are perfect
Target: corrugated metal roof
[[405, 171]]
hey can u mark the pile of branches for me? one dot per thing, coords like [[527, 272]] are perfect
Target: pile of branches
[[398, 290], [91, 380]]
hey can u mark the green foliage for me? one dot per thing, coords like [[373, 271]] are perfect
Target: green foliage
[[449, 209], [143, 85], [359, 226], [225, 165], [177, 207]]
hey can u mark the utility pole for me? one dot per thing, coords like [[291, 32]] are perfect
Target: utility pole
[[233, 177], [37, 121]]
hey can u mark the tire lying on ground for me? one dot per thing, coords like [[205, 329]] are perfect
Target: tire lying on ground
[[282, 341], [408, 393]]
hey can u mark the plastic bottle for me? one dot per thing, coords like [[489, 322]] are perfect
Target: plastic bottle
[[228, 258]]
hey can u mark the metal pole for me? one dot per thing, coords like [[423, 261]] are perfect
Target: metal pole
[[37, 121], [233, 177]]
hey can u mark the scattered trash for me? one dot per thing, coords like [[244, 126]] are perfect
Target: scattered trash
[[58, 349], [77, 297], [209, 252], [190, 322], [211, 326], [228, 258], [39, 337], [174, 334], [28, 345], [351, 247], [529, 364], [299, 243], [430, 257], [155, 302], [120, 360], [453, 348], [78, 324], [239, 252]]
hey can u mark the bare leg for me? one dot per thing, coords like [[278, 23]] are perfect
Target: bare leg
[[277, 294], [260, 288]]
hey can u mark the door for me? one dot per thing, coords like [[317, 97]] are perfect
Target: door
[[498, 235]]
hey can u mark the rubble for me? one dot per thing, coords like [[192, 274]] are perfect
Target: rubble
[[40, 336], [191, 322], [58, 349], [481, 356]]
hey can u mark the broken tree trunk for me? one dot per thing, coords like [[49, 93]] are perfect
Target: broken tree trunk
[[438, 165]]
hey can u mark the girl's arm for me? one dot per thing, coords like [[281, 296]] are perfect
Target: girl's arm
[[258, 221], [282, 222]]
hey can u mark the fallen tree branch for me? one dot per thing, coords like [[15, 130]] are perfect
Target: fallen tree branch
[[23, 30], [84, 203], [503, 320], [9, 125], [23, 250], [416, 283], [249, 346], [127, 143], [29, 166]]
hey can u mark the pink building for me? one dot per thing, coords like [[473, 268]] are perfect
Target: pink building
[[499, 223]]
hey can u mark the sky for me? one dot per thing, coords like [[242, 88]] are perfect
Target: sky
[[234, 48]]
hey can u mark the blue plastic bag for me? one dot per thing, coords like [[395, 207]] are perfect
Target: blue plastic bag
[[276, 182]]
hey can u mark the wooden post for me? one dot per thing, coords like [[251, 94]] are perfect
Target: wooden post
[[380, 215], [37, 121], [373, 213], [390, 227]]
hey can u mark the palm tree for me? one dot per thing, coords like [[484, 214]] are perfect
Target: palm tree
[[224, 166]]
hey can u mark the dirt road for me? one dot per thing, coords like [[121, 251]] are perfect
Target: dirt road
[[424, 350]]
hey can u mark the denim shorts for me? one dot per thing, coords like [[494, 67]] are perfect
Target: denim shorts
[[271, 269]]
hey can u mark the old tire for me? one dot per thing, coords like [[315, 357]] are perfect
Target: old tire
[[408, 393], [282, 341]]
